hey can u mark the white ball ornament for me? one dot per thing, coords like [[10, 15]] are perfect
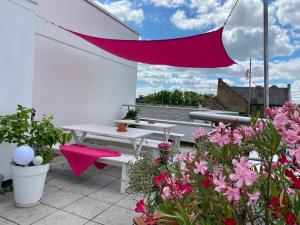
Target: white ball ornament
[[23, 155], [38, 160]]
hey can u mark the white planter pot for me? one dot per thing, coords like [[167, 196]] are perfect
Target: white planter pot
[[28, 183]]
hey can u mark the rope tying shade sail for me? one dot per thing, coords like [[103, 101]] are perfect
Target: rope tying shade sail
[[199, 51]]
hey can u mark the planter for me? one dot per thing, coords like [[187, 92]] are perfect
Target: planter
[[28, 184], [158, 220]]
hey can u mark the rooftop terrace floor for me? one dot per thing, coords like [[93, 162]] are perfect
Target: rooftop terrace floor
[[93, 198]]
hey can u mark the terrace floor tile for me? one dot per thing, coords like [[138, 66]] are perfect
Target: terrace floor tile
[[83, 188], [107, 195], [116, 216], [6, 222], [60, 199], [129, 201], [62, 218], [26, 216], [102, 179], [6, 202], [61, 181], [87, 208]]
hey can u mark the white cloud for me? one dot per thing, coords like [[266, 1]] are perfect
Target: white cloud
[[166, 3], [243, 34], [287, 12], [124, 10], [205, 80]]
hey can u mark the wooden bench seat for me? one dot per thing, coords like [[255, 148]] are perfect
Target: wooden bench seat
[[122, 161], [176, 137], [98, 140]]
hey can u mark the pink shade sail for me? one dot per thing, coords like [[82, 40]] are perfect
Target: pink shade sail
[[199, 51]]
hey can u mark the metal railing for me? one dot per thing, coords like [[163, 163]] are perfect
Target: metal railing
[[184, 127], [219, 118]]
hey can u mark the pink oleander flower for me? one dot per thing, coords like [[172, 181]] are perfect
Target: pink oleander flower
[[199, 133], [157, 181], [183, 167], [280, 120], [140, 207], [290, 191], [201, 167], [185, 177], [166, 192], [253, 197], [220, 183], [179, 158], [164, 146], [247, 131], [232, 194], [271, 112], [161, 179], [219, 139], [221, 126], [191, 157], [295, 153], [237, 137], [242, 163], [243, 175]]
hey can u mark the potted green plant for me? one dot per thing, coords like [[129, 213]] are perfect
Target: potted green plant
[[31, 159]]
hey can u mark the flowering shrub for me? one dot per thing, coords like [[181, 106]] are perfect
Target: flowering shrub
[[241, 175]]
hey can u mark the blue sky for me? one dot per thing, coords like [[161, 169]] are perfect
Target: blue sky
[[242, 37]]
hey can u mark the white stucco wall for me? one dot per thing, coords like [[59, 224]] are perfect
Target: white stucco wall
[[74, 80], [17, 19]]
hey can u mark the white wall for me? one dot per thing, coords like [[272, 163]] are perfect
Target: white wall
[[17, 40], [74, 80]]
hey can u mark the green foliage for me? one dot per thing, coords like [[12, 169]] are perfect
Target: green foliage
[[131, 114], [141, 175], [21, 128], [186, 98]]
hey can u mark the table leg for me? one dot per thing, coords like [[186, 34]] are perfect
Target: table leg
[[78, 140], [138, 147], [167, 132]]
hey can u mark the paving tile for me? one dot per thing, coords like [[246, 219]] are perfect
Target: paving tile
[[129, 201], [62, 218], [87, 208], [61, 181], [85, 175], [112, 171], [50, 175], [6, 202], [49, 189], [116, 216], [5, 222], [117, 185], [102, 179], [25, 216], [92, 223], [107, 195], [60, 199], [84, 188]]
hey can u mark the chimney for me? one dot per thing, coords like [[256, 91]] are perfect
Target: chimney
[[289, 92]]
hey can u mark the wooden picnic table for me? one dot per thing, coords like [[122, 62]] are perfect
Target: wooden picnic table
[[164, 126], [134, 135]]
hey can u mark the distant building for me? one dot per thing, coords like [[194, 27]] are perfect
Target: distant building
[[237, 98]]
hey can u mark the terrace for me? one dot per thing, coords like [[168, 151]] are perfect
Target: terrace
[[102, 159], [92, 198]]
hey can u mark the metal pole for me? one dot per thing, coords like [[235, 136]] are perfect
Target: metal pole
[[249, 97], [266, 56]]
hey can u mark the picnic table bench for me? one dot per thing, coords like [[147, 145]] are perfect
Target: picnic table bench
[[122, 161]]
